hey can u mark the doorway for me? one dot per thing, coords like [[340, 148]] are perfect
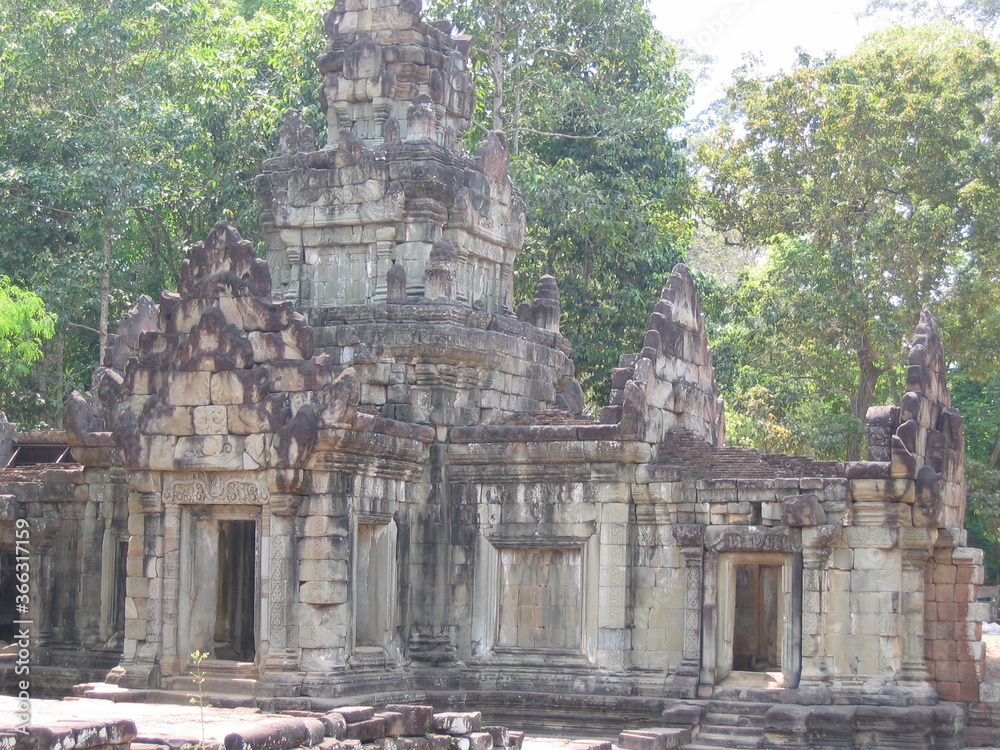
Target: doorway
[[752, 632], [236, 600], [756, 636]]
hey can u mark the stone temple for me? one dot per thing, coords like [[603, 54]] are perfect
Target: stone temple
[[354, 465]]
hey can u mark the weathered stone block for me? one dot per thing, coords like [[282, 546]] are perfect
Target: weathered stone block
[[416, 719], [654, 739], [239, 386], [366, 731], [279, 734], [335, 724], [212, 452], [210, 420], [394, 723], [186, 389], [322, 570], [457, 723], [323, 592]]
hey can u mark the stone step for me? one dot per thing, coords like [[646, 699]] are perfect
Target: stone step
[[734, 720], [737, 730], [656, 738], [750, 708], [213, 683], [713, 739], [217, 699]]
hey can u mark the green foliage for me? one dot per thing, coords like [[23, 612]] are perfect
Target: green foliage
[[24, 325], [130, 128], [871, 181], [983, 516], [779, 399], [588, 93]]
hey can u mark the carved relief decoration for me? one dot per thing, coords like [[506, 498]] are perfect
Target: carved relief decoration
[[215, 488]]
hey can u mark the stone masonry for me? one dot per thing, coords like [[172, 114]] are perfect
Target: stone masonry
[[359, 468]]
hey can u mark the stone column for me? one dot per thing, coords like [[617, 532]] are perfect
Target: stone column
[[710, 624], [278, 563], [43, 532], [815, 668], [142, 608], [913, 667], [691, 661], [165, 624]]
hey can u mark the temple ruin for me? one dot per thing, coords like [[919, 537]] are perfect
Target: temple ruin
[[354, 465]]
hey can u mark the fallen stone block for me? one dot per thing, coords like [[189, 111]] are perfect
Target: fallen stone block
[[282, 734], [335, 724], [372, 729], [500, 735], [659, 738], [457, 723], [395, 726], [416, 719], [475, 741]]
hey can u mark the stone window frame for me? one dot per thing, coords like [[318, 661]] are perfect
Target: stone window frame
[[376, 655], [717, 657], [486, 602]]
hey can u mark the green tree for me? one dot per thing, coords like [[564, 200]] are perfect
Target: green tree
[[130, 127], [587, 92], [24, 325], [870, 177]]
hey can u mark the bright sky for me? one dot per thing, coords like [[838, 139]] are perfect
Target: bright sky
[[771, 29]]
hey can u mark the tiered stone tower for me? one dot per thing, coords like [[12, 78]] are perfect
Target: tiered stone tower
[[390, 225]]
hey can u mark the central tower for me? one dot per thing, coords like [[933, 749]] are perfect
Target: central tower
[[397, 245], [356, 222]]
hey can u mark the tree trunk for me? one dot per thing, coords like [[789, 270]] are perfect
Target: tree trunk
[[994, 454], [59, 365], [869, 375], [102, 325], [496, 68]]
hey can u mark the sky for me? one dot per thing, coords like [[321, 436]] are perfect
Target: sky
[[770, 29]]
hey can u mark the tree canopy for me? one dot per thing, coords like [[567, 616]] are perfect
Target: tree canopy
[[588, 92], [870, 180], [130, 128]]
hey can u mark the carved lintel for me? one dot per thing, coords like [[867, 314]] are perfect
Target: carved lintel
[[215, 488]]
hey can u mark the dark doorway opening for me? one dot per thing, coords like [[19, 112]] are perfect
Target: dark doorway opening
[[235, 613], [756, 642], [8, 594]]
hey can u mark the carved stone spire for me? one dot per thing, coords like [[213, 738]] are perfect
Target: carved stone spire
[[392, 180]]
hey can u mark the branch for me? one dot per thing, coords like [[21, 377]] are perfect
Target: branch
[[43, 207], [57, 210], [86, 328], [596, 137]]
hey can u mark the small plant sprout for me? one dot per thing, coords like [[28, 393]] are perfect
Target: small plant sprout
[[198, 698]]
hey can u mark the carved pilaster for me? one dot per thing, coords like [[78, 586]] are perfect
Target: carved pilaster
[[815, 666], [42, 564], [710, 623], [162, 614], [691, 660], [282, 652], [913, 667]]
